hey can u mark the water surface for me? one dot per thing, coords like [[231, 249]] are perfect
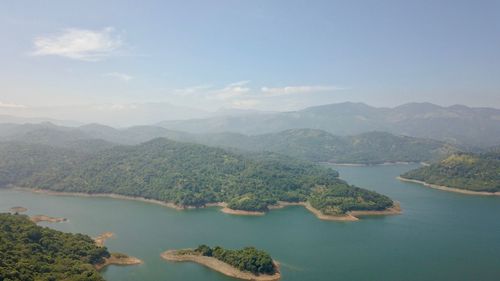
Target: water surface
[[439, 236]]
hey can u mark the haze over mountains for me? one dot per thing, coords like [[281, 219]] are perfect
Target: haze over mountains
[[456, 124]]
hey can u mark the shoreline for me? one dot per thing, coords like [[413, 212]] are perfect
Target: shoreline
[[230, 211], [351, 216], [44, 218], [18, 209], [101, 238], [450, 189], [118, 259], [220, 266]]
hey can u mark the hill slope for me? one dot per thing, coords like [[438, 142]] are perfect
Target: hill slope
[[474, 172], [308, 144], [186, 174], [29, 252]]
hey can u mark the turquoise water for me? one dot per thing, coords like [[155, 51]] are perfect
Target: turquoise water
[[439, 236]]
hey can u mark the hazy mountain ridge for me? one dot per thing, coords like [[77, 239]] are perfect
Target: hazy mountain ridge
[[457, 124], [307, 144]]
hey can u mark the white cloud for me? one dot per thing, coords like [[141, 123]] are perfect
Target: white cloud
[[79, 44], [119, 76], [290, 90], [231, 91], [11, 105]]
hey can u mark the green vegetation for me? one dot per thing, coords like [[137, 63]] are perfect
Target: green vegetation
[[186, 174], [475, 172], [307, 144], [29, 252], [246, 259], [320, 146]]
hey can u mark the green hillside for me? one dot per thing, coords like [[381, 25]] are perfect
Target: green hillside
[[186, 174], [33, 253], [475, 172]]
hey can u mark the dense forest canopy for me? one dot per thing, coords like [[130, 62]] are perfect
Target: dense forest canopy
[[475, 172], [186, 174], [246, 259], [29, 252]]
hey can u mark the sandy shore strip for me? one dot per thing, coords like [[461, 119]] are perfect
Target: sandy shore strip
[[450, 189], [394, 210], [220, 266], [18, 209], [118, 259], [44, 218], [230, 211], [316, 212], [101, 238], [102, 195]]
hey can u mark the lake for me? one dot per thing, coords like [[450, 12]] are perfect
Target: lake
[[439, 236]]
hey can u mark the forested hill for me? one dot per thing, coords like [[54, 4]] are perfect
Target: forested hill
[[30, 253], [186, 174], [308, 144], [475, 172], [320, 146]]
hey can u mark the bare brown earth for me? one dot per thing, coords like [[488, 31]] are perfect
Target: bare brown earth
[[118, 259], [450, 189], [101, 238], [40, 218], [220, 266], [18, 209]]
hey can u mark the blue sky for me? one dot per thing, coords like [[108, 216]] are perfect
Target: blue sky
[[268, 55]]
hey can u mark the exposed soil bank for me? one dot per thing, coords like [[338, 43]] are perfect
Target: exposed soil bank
[[118, 259], [40, 218], [450, 189], [101, 238], [18, 209]]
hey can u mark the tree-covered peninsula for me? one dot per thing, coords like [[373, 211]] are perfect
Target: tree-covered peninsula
[[185, 174], [463, 171], [30, 252]]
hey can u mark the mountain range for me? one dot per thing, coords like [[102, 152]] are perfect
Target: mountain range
[[456, 124]]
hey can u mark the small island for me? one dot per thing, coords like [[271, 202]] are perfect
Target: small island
[[44, 218], [18, 209], [247, 263]]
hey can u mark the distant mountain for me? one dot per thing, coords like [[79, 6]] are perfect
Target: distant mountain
[[307, 144], [473, 172], [455, 124], [321, 146], [35, 120]]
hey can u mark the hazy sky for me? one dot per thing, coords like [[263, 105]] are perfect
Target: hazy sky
[[271, 55]]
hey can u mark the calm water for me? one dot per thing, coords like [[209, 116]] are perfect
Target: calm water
[[440, 235]]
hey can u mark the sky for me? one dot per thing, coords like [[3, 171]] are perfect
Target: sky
[[254, 54]]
